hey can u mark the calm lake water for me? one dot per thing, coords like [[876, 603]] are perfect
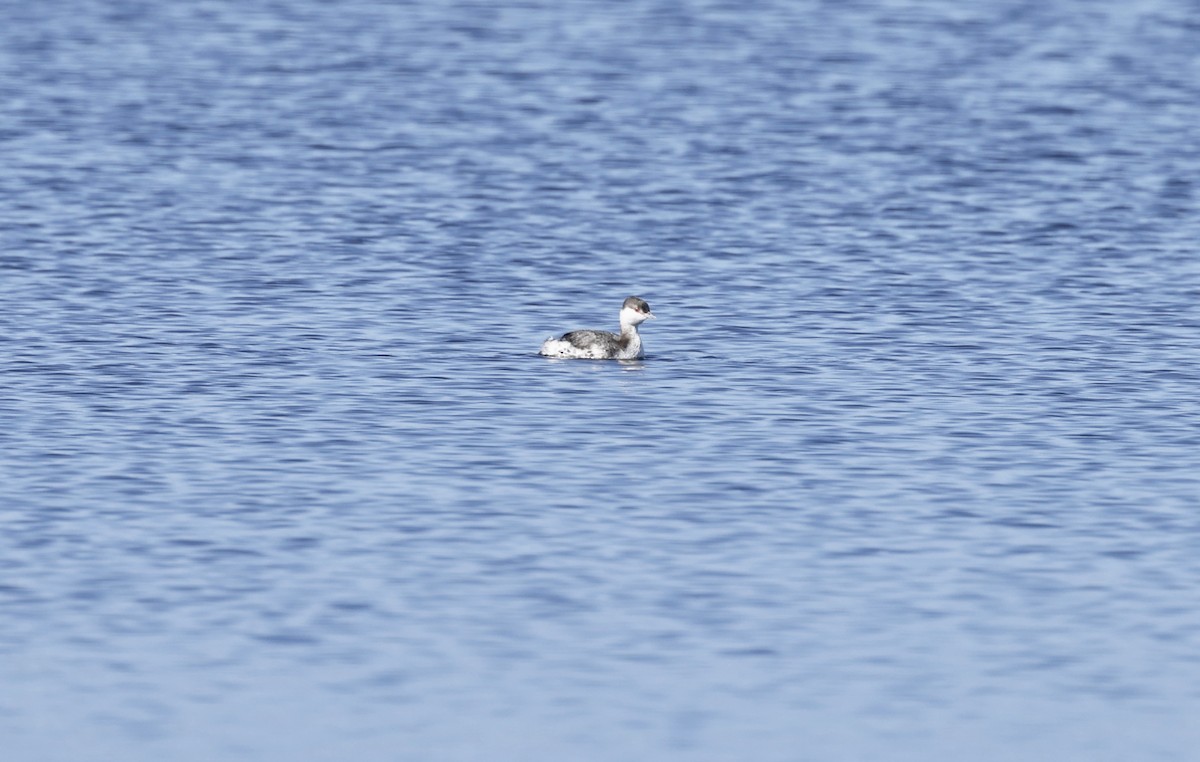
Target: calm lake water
[[911, 470]]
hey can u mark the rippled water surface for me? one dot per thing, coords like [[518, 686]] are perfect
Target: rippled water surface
[[911, 470]]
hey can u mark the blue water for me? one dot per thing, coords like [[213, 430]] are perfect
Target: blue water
[[911, 470]]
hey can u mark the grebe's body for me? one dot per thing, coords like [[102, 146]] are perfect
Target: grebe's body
[[602, 345]]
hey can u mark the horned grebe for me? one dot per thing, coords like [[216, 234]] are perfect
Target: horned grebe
[[602, 345]]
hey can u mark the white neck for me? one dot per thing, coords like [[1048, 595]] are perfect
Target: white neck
[[630, 320]]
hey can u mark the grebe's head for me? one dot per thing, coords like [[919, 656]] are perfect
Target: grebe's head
[[635, 311]]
